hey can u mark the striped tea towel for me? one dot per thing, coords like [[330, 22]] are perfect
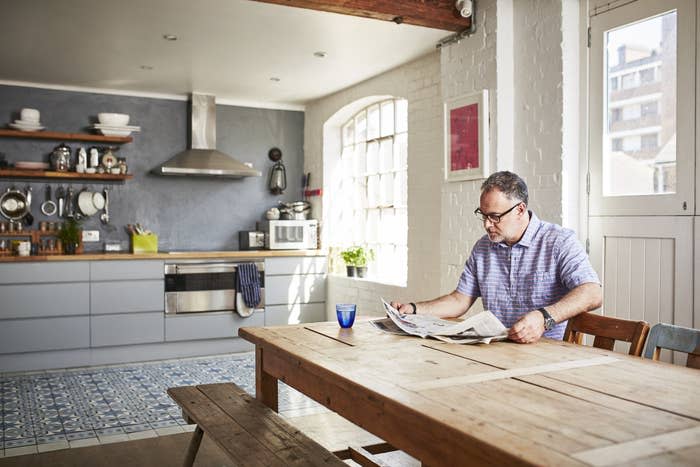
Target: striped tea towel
[[249, 284]]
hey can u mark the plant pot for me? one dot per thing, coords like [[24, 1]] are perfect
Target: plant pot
[[70, 248], [351, 271], [361, 271]]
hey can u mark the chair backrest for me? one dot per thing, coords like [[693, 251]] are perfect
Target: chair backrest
[[607, 330], [677, 338]]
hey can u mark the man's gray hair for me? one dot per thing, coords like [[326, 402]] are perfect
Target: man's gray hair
[[508, 183]]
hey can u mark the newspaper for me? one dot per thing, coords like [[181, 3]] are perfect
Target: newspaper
[[477, 327]]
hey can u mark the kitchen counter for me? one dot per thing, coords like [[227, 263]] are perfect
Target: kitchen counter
[[166, 256]]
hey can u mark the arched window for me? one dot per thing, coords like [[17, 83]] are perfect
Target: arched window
[[370, 209]]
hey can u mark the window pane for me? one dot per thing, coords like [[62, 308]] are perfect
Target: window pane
[[360, 160], [373, 191], [373, 122], [387, 118], [400, 151], [348, 133], [639, 147], [372, 157], [361, 127], [386, 155], [386, 189]]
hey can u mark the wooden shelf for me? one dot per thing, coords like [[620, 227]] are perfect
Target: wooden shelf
[[55, 135], [44, 174]]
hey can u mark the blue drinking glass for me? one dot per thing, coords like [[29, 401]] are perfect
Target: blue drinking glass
[[346, 314]]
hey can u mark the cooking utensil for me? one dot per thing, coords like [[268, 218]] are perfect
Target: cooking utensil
[[85, 203], [104, 217], [70, 211], [48, 207], [60, 158], [60, 197], [28, 217]]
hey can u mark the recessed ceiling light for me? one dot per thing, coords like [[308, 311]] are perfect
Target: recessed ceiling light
[[274, 79], [170, 37], [320, 54], [146, 67]]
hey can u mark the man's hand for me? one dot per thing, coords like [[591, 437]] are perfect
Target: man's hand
[[528, 329], [403, 308]]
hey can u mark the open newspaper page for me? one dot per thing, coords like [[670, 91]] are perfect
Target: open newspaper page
[[477, 327]]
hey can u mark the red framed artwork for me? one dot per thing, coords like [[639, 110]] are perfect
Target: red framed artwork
[[466, 137]]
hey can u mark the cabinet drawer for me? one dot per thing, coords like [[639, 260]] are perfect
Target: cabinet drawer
[[30, 300], [33, 273], [126, 270], [31, 335], [296, 265], [279, 315], [280, 290], [137, 328], [208, 325], [127, 296]]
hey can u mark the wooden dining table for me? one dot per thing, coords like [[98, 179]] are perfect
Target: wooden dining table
[[548, 403]]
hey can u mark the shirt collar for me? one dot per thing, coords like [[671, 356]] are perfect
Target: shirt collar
[[529, 235]]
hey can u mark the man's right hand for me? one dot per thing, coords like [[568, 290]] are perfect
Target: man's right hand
[[403, 308]]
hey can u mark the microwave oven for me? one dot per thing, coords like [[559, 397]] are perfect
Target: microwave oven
[[291, 234]]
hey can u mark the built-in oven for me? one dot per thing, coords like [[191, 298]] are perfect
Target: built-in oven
[[200, 287]]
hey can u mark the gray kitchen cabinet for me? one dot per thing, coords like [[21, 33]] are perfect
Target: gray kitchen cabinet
[[191, 326], [42, 272], [127, 296], [279, 315], [35, 300], [126, 270], [295, 290], [30, 335], [118, 329]]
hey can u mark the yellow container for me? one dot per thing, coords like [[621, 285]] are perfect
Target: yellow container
[[144, 243]]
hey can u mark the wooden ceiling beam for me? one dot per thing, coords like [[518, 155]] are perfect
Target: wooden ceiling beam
[[437, 14]]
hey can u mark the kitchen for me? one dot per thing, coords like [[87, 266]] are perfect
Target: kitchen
[[206, 215]]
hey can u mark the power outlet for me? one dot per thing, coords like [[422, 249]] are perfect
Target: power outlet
[[91, 235]]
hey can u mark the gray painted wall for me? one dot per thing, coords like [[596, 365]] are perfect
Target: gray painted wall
[[186, 213]]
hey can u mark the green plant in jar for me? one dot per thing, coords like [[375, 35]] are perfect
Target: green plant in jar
[[69, 234]]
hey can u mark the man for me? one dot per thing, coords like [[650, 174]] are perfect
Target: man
[[532, 275]]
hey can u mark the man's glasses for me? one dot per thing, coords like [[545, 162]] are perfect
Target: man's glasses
[[494, 218]]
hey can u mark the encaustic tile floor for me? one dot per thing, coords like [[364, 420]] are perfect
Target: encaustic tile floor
[[65, 406]]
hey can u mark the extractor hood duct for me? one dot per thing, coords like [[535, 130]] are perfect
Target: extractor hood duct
[[203, 159]]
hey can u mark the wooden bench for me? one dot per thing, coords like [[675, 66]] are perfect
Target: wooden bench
[[249, 432]]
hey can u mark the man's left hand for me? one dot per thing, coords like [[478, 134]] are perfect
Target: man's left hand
[[528, 329]]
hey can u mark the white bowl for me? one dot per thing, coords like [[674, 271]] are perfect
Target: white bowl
[[107, 118]]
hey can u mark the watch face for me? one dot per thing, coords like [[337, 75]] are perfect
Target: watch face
[[549, 324]]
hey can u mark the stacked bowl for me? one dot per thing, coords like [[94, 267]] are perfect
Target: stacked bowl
[[114, 124]]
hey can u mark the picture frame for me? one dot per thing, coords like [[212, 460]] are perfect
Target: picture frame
[[467, 137]]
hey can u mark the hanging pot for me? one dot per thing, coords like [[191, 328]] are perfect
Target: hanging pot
[[14, 204]]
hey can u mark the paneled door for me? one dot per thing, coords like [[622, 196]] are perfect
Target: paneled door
[[642, 136]]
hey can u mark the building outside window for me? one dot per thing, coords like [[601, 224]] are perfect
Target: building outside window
[[372, 208]]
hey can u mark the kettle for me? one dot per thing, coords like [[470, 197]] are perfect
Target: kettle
[[60, 158], [277, 182]]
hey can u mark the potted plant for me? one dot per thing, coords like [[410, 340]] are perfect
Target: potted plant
[[349, 256], [70, 235], [363, 257]]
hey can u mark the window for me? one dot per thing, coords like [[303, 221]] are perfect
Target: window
[[613, 83], [629, 81], [650, 109], [373, 213], [650, 141], [646, 76], [617, 144]]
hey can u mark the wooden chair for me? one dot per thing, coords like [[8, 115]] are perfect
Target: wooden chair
[[676, 338], [607, 330]]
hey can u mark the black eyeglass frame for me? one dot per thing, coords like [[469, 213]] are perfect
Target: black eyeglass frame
[[494, 218]]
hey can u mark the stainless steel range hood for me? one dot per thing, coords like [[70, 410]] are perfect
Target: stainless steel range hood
[[203, 159]]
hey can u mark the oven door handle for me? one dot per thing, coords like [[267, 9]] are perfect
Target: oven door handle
[[204, 269]]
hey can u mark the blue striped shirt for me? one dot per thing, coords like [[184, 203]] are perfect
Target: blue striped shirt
[[538, 271]]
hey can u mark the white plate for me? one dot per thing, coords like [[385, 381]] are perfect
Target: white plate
[[99, 126], [115, 132], [31, 165], [25, 127], [27, 123]]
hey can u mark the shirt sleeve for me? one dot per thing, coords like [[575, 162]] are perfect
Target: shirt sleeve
[[468, 284], [574, 266]]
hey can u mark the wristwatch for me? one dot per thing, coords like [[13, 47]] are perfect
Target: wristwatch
[[549, 322]]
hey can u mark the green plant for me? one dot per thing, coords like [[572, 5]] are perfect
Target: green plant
[[357, 256], [70, 232]]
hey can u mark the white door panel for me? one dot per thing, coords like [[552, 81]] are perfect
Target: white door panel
[[645, 266]]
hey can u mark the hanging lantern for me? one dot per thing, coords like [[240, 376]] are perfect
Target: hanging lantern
[[277, 182]]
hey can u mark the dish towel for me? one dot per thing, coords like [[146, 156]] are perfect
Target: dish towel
[[249, 284]]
